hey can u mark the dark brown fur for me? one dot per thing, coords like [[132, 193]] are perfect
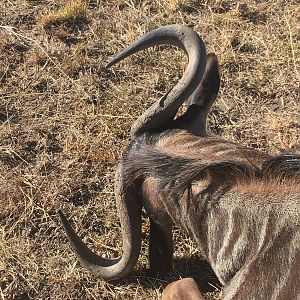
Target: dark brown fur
[[252, 195], [177, 159]]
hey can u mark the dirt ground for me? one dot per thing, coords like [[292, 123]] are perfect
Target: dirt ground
[[65, 120]]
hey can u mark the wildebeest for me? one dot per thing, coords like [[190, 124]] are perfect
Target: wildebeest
[[241, 206]]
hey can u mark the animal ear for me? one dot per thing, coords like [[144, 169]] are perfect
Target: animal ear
[[199, 103], [207, 91]]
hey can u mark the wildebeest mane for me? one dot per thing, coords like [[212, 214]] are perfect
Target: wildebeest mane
[[175, 174], [283, 166]]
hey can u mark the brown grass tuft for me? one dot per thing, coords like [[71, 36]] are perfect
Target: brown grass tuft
[[174, 5], [74, 11]]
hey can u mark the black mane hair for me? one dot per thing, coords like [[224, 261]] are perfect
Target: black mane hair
[[175, 174]]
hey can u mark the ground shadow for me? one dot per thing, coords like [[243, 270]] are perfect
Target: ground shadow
[[195, 267]]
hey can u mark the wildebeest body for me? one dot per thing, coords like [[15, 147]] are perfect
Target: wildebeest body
[[240, 206]]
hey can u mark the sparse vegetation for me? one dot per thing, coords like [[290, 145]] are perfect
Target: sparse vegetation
[[64, 122]]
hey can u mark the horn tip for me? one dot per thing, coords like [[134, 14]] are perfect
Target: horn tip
[[62, 218], [108, 65], [113, 61]]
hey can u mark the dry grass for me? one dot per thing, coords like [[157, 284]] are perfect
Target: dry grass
[[71, 13], [64, 122]]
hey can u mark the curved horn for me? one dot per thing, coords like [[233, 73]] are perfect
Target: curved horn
[[156, 117], [129, 210], [159, 115]]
